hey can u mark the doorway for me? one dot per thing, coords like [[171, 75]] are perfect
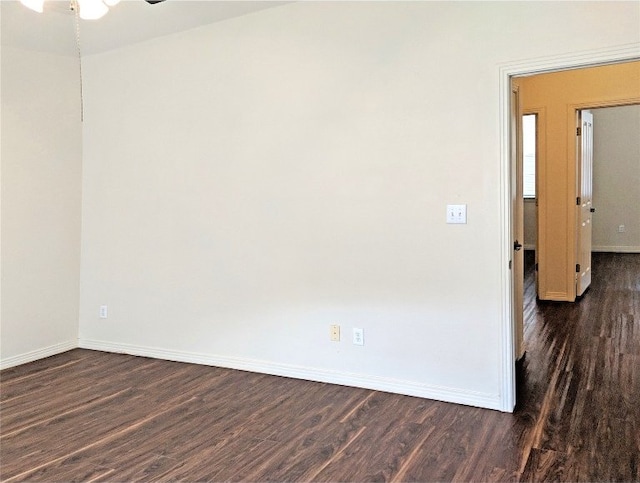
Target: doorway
[[515, 74], [616, 195]]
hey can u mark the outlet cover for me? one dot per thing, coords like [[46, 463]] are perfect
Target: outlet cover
[[334, 333], [358, 336]]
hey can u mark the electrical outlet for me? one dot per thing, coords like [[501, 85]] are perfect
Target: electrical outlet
[[621, 228], [103, 311], [358, 336], [334, 333]]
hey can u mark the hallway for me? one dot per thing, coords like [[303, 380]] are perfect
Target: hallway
[[580, 379]]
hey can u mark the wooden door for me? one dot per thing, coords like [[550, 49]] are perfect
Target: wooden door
[[584, 201], [517, 228]]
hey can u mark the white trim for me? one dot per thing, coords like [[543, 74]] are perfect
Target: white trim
[[611, 249], [507, 335], [38, 354], [589, 58], [621, 53], [385, 384]]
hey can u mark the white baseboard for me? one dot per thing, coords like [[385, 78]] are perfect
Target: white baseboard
[[625, 249], [38, 354], [385, 384]]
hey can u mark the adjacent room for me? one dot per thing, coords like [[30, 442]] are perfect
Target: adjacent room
[[273, 240]]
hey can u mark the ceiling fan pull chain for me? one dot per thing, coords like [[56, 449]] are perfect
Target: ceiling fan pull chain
[[76, 10]]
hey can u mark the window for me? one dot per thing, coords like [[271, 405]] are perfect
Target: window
[[529, 155]]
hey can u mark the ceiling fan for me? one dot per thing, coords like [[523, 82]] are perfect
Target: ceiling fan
[[87, 9]]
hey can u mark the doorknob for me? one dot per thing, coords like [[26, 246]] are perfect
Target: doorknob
[[517, 246], [592, 210]]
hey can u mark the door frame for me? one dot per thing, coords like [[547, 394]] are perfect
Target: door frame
[[506, 73]]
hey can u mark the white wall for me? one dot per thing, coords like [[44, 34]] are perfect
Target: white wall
[[41, 194], [530, 228], [616, 179], [248, 183]]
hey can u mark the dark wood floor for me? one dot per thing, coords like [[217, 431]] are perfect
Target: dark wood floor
[[87, 415]]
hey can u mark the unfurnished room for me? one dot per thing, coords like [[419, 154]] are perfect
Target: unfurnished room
[[319, 240]]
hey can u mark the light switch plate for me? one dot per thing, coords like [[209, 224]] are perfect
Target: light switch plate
[[457, 214]]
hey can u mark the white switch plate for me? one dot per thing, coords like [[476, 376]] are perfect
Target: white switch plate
[[103, 311], [457, 214]]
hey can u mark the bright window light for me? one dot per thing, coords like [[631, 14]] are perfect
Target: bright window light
[[529, 155]]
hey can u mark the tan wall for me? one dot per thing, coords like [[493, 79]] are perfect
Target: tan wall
[[558, 95]]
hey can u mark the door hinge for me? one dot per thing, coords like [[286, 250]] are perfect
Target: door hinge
[[577, 268], [578, 201], [510, 264], [578, 131], [536, 267]]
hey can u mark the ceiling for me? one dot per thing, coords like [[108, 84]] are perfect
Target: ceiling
[[129, 22]]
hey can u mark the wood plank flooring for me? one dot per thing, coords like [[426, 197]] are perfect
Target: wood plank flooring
[[91, 416]]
